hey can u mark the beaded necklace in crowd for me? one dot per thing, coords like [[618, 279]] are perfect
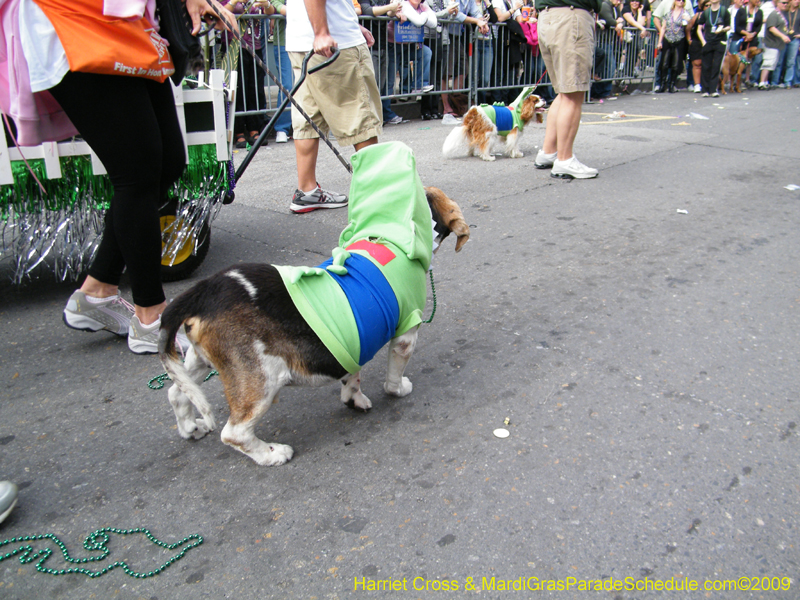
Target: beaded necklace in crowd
[[790, 28], [785, 22], [711, 18]]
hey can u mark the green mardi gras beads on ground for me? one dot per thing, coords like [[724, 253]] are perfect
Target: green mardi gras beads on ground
[[96, 541]]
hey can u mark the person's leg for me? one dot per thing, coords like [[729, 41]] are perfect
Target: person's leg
[[697, 72], [707, 63], [306, 152], [247, 95], [284, 65], [389, 64], [796, 81], [716, 65], [790, 60], [563, 120], [755, 66], [775, 75], [485, 63], [256, 122], [132, 126], [427, 53], [661, 72]]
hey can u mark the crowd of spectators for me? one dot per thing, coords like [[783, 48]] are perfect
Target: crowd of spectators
[[422, 47]]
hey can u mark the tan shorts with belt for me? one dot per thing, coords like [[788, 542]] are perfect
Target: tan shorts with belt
[[566, 41], [342, 98]]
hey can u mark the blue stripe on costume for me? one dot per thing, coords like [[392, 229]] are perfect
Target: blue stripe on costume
[[373, 302], [504, 119]]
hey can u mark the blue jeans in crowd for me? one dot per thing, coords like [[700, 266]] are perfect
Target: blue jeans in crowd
[[755, 66], [284, 66], [484, 59], [400, 57], [379, 66], [790, 78]]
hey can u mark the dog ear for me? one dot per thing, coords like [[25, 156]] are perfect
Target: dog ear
[[448, 213]]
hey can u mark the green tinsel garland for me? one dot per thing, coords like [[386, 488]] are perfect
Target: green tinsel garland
[[76, 185], [62, 220]]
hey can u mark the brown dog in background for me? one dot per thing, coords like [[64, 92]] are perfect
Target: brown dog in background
[[733, 66]]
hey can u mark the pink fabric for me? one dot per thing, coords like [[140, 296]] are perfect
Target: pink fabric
[[130, 9], [38, 116], [532, 36]]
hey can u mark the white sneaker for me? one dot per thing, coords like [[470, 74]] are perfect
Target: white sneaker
[[449, 119], [697, 88], [281, 137], [572, 169], [143, 339], [93, 314], [544, 161]]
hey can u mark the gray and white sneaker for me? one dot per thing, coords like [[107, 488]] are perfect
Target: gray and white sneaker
[[143, 339], [544, 161], [8, 498], [319, 198], [572, 169], [93, 314]]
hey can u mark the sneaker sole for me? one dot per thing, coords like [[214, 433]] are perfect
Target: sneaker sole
[[304, 209], [81, 323], [541, 166], [569, 176], [139, 347]]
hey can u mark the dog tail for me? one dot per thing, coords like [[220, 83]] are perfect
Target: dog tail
[[456, 144], [171, 320], [176, 314]]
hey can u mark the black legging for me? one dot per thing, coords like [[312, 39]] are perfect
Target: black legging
[[132, 126]]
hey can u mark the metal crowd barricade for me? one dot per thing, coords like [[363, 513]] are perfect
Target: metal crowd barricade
[[625, 57], [446, 58]]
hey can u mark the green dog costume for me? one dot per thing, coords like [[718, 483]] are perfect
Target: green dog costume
[[505, 118], [373, 288]]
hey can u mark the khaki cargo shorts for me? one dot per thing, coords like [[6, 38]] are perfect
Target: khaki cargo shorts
[[342, 98], [566, 41]]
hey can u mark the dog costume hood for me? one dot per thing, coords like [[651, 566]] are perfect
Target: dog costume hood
[[373, 287], [505, 117]]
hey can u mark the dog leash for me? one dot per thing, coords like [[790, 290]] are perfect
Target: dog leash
[[288, 96], [433, 293]]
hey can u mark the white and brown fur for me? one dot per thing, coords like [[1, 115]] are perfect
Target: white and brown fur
[[477, 135], [733, 68], [243, 323]]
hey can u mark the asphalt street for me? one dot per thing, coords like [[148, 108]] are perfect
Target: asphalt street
[[638, 333]]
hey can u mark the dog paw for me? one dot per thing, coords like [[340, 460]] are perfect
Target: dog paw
[[272, 455], [402, 389], [201, 429], [517, 154], [488, 157], [359, 402]]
